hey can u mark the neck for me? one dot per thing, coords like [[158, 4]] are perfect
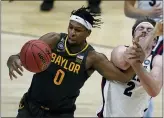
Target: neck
[[147, 52], [76, 48]]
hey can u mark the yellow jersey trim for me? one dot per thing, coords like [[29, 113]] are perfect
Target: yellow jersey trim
[[65, 45]]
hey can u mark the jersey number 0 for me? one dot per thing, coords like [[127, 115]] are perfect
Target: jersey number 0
[[59, 77]]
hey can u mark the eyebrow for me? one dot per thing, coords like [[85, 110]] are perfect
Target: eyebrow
[[76, 26]]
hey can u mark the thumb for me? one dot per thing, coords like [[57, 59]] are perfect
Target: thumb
[[157, 5], [136, 39]]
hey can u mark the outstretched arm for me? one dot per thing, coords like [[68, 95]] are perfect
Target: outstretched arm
[[132, 12], [151, 81], [107, 69], [14, 63]]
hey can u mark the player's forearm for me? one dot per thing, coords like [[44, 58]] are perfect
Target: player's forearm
[[133, 12], [129, 73], [147, 80]]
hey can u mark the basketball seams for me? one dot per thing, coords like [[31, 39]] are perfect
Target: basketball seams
[[26, 53], [42, 51], [35, 57]]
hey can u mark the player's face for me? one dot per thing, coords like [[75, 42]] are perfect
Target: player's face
[[77, 33], [145, 29]]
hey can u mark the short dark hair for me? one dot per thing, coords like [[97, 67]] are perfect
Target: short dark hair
[[138, 21], [84, 13]]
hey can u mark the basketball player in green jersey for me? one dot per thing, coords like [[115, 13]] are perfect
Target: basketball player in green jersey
[[53, 92]]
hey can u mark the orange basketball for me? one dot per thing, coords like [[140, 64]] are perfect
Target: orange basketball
[[35, 56]]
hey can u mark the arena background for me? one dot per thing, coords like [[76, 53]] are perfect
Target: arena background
[[22, 21]]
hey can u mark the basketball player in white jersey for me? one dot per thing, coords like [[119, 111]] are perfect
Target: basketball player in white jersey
[[146, 8], [152, 9], [131, 99]]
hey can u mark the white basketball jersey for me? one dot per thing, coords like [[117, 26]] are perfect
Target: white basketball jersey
[[148, 4], [125, 99]]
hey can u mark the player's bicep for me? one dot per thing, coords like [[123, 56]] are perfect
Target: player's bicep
[[107, 69], [50, 38], [128, 5]]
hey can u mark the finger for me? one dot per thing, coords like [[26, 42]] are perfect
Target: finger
[[157, 5], [134, 51], [11, 72], [19, 65], [136, 39], [137, 45], [135, 60], [16, 69], [134, 46], [158, 9], [134, 57], [137, 49], [160, 13], [21, 68], [10, 76]]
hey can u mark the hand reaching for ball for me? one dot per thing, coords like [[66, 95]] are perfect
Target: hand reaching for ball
[[14, 64]]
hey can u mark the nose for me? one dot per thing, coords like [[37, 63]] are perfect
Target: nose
[[145, 30], [73, 32]]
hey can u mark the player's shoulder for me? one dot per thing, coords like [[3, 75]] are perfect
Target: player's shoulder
[[157, 60], [51, 38], [96, 56], [50, 35], [120, 48]]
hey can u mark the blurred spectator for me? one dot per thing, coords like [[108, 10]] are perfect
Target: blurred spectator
[[150, 8], [94, 5], [47, 5]]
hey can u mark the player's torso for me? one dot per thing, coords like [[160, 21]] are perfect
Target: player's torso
[[126, 99], [61, 82], [148, 4], [158, 49]]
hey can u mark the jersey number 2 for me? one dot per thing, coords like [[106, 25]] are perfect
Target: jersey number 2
[[59, 77], [128, 90], [152, 3]]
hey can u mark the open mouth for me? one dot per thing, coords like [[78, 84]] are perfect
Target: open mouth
[[144, 35]]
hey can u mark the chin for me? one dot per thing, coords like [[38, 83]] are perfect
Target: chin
[[72, 43], [142, 38]]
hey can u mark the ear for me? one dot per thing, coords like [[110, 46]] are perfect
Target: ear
[[155, 42], [88, 33]]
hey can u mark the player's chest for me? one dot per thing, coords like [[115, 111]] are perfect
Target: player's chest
[[71, 64]]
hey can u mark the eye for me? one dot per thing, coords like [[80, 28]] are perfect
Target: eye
[[77, 30], [149, 29], [140, 28], [70, 27]]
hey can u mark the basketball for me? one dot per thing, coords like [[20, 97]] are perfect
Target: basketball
[[35, 56]]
